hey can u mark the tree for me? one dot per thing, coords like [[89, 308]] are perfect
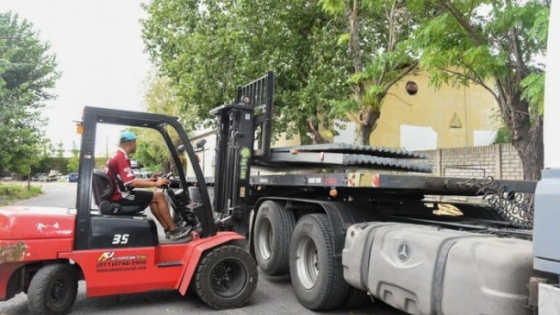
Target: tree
[[74, 161], [159, 98], [208, 48], [376, 37], [27, 73], [465, 45]]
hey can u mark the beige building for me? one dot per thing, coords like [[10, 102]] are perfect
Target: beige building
[[430, 119]]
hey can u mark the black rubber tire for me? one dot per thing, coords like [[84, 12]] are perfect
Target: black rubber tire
[[274, 226], [317, 277], [217, 264], [42, 287]]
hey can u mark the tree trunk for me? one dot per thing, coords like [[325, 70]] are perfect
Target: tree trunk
[[367, 126], [530, 148]]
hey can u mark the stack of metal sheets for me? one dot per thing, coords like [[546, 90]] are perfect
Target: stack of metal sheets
[[340, 155]]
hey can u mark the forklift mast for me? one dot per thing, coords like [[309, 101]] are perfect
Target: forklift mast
[[244, 133]]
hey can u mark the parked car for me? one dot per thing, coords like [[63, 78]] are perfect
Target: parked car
[[46, 178], [73, 177], [63, 178], [37, 176]]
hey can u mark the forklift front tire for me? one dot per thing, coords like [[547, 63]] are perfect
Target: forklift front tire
[[226, 277], [53, 290]]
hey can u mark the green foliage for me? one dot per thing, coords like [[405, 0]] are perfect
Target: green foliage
[[533, 92], [333, 6], [74, 161], [27, 73], [376, 33], [100, 162], [161, 98], [503, 136], [497, 48], [11, 193], [207, 53], [473, 48]]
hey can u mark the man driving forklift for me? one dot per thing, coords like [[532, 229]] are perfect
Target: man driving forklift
[[119, 169]]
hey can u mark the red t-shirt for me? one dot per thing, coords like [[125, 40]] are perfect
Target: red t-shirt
[[121, 165]]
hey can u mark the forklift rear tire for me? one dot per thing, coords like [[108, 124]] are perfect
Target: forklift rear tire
[[53, 290], [226, 277], [317, 276], [274, 226]]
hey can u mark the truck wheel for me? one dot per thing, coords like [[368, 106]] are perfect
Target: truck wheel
[[226, 277], [317, 277], [53, 290], [274, 226]]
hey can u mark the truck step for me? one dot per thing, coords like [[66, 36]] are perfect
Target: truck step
[[170, 264]]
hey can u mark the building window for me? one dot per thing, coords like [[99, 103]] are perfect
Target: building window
[[411, 87]]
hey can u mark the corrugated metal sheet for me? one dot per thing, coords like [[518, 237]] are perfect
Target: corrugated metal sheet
[[302, 160], [353, 149]]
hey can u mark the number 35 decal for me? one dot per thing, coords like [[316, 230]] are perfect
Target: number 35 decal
[[120, 239]]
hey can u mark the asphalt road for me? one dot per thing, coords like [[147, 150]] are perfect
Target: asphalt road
[[273, 295]]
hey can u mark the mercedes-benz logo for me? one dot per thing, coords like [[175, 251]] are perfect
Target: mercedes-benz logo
[[404, 251]]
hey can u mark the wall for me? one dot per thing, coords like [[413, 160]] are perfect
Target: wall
[[498, 161], [448, 117]]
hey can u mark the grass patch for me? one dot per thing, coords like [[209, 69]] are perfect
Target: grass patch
[[11, 193]]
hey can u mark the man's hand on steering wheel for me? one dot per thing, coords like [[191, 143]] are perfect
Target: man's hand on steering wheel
[[154, 177], [162, 182]]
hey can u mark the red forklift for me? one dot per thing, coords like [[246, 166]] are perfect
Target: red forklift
[[44, 252]]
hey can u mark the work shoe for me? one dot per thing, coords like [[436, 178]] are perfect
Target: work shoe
[[168, 232], [180, 232]]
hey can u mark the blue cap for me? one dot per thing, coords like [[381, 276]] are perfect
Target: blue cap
[[127, 136]]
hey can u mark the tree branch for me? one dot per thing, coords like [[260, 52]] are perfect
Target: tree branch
[[464, 24], [395, 95], [520, 65], [406, 71], [478, 80]]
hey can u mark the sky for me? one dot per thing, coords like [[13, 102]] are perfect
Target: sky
[[99, 50]]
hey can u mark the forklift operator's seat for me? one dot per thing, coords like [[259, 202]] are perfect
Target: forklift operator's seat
[[102, 192]]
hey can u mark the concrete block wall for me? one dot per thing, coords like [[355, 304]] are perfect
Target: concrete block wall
[[499, 161]]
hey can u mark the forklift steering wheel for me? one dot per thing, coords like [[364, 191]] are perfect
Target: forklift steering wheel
[[168, 175]]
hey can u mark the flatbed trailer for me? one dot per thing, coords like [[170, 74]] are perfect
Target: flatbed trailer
[[354, 223]]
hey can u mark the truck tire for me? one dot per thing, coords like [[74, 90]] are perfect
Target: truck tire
[[53, 290], [317, 276], [226, 277], [274, 226]]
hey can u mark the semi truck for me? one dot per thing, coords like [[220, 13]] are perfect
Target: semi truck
[[354, 224]]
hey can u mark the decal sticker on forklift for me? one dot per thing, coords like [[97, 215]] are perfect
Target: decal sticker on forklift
[[109, 262], [120, 238], [244, 163], [10, 253], [40, 226]]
